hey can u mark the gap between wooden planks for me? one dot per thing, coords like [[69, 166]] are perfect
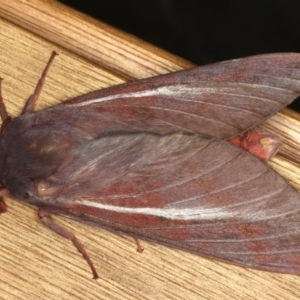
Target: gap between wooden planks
[[37, 264]]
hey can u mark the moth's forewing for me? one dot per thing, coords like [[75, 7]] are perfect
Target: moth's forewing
[[218, 100], [201, 195]]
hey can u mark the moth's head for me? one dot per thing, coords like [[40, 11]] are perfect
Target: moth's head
[[13, 157]]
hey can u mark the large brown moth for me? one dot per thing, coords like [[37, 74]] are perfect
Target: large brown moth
[[150, 159]]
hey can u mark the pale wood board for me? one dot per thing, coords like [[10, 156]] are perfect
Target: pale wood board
[[37, 264]]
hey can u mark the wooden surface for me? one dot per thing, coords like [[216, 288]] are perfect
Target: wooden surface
[[37, 264]]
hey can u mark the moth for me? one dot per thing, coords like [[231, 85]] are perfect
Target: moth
[[151, 159]]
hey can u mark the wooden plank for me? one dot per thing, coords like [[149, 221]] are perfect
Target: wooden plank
[[98, 42], [37, 264]]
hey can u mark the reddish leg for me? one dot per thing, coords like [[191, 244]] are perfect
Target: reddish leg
[[3, 193], [46, 220], [3, 207], [32, 99], [139, 248]]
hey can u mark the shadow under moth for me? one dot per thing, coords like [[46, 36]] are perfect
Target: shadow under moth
[[154, 159]]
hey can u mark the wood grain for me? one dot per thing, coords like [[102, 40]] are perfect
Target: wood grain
[[37, 264], [97, 42]]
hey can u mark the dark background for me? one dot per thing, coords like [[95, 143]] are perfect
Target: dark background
[[205, 31]]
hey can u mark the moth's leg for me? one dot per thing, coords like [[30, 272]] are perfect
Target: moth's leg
[[32, 99], [46, 220], [3, 207], [139, 248], [3, 112], [3, 193]]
